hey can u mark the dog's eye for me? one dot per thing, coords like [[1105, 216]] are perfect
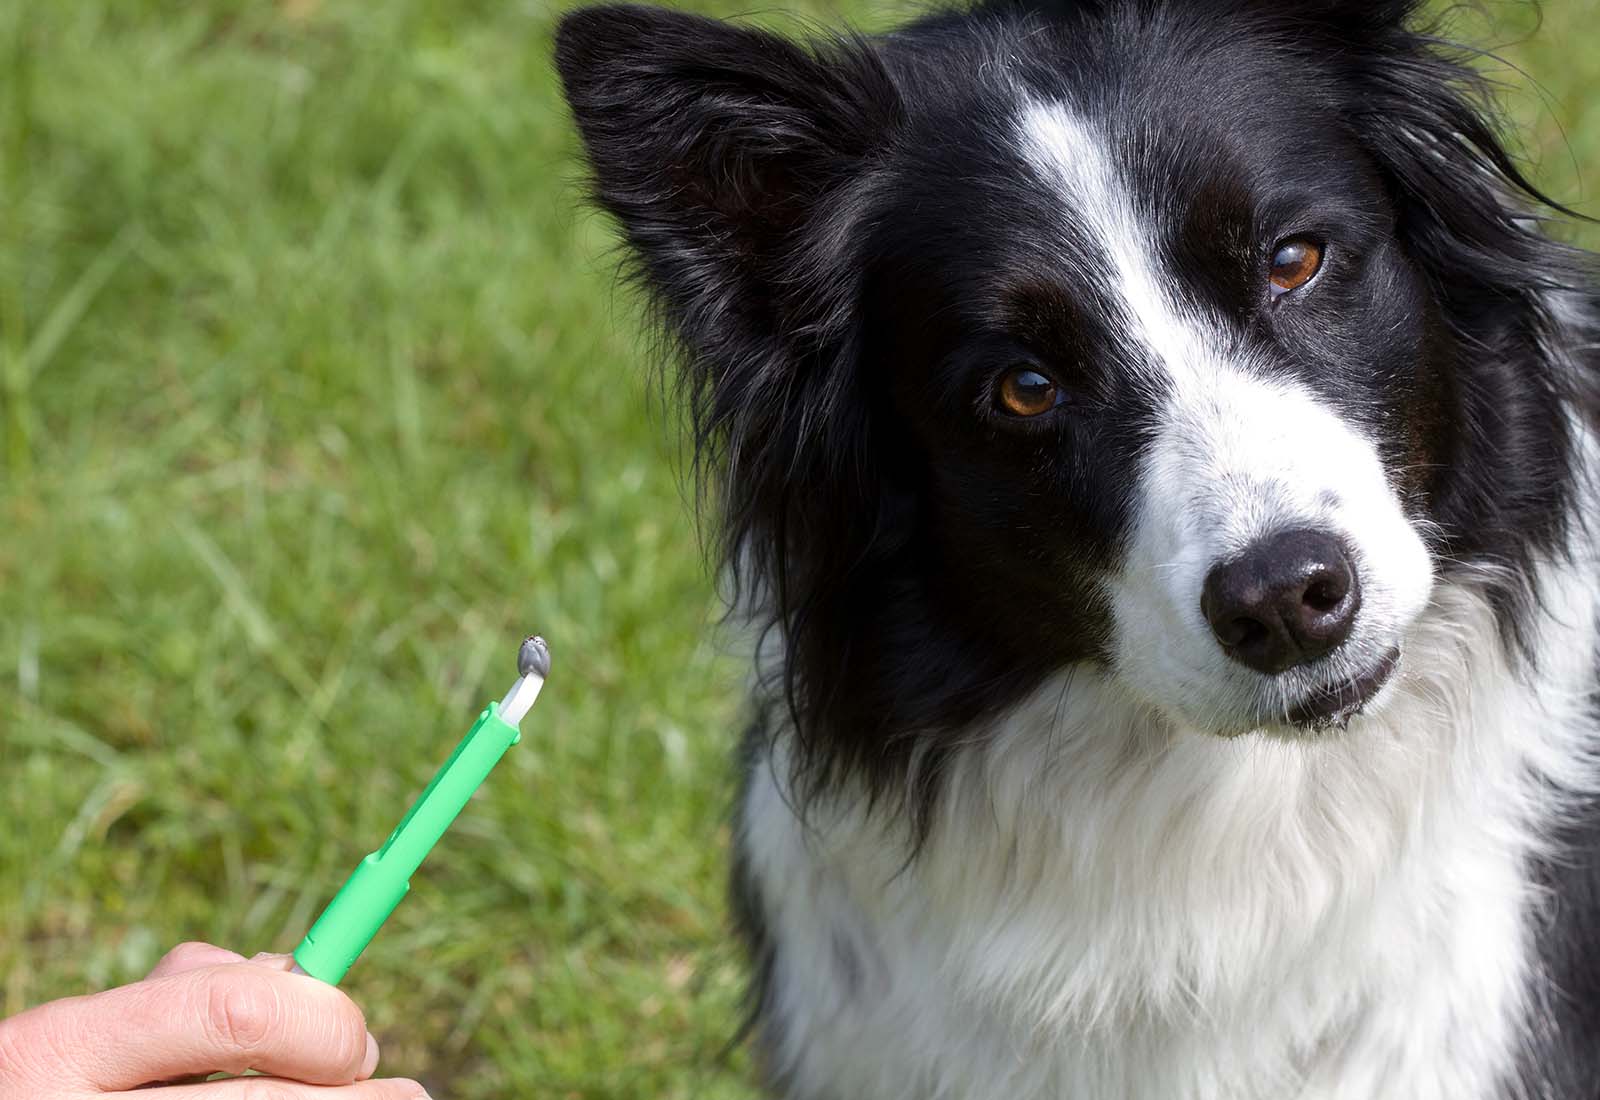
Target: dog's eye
[[1025, 392], [1293, 264]]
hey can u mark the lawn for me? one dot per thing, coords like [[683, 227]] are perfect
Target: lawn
[[316, 393]]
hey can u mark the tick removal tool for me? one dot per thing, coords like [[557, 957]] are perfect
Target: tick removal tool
[[371, 893]]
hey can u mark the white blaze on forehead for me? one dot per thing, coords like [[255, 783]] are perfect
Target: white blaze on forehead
[[1237, 454], [1073, 158]]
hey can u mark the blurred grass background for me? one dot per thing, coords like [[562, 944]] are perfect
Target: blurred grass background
[[316, 393]]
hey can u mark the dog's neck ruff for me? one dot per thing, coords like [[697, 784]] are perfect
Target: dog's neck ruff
[[1107, 907]]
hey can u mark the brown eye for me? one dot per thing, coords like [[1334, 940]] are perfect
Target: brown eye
[[1026, 392], [1293, 264]]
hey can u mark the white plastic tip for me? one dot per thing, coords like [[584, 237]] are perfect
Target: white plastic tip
[[520, 698], [533, 662]]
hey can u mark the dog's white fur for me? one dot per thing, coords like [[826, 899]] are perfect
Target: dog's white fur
[[1112, 901], [1238, 455], [1111, 906]]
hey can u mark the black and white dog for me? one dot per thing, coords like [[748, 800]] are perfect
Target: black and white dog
[[1159, 441]]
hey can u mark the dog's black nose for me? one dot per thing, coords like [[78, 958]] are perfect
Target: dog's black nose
[[1288, 599]]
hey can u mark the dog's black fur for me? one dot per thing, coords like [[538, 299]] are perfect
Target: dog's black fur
[[822, 230], [727, 156]]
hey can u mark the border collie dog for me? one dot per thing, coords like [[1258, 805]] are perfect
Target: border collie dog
[[1155, 441]]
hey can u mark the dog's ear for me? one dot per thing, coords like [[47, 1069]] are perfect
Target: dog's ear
[[1353, 22], [1467, 209], [714, 145], [741, 167]]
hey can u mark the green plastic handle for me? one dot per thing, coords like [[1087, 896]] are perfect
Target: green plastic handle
[[378, 883]]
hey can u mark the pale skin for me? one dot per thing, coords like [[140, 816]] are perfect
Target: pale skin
[[203, 1010]]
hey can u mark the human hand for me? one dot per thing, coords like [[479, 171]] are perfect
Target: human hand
[[202, 1010]]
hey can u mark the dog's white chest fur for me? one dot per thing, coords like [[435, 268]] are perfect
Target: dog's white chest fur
[[1106, 908]]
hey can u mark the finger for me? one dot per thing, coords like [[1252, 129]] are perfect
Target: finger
[[274, 1088], [285, 963], [192, 956], [228, 1018]]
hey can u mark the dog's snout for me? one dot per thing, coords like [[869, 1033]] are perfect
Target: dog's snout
[[1288, 599]]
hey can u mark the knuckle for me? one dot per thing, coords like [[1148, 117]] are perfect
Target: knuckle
[[186, 954], [241, 1011]]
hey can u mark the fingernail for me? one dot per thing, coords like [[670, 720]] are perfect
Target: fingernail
[[272, 959], [369, 1064]]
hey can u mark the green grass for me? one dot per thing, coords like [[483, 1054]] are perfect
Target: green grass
[[316, 393]]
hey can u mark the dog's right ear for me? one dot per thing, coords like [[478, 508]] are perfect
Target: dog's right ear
[[714, 146]]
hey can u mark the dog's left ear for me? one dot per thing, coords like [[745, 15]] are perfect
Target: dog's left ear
[[713, 145]]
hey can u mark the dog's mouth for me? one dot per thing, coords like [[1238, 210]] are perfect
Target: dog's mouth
[[1335, 704]]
